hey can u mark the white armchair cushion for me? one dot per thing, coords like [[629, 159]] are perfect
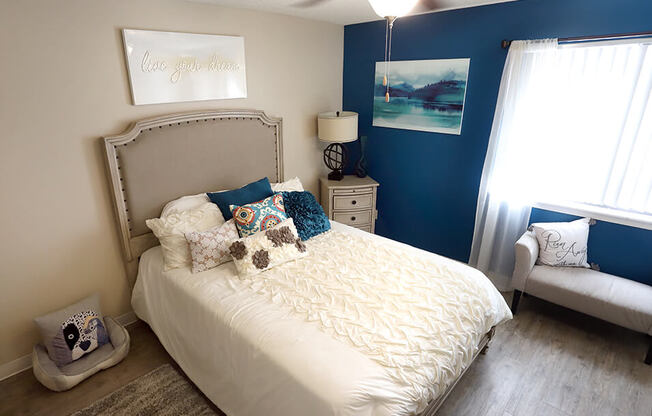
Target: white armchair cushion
[[615, 299], [563, 243]]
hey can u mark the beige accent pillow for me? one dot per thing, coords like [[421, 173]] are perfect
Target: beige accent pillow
[[171, 229], [267, 249], [210, 248]]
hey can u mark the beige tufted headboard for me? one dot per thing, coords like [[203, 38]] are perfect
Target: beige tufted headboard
[[160, 159]]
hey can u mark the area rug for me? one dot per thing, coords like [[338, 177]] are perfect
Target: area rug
[[161, 392]]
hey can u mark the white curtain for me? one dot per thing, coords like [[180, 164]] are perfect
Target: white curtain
[[572, 127], [499, 219]]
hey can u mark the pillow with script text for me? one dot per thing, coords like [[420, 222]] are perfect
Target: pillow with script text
[[563, 243]]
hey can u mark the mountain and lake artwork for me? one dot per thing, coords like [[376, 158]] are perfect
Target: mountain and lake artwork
[[426, 95]]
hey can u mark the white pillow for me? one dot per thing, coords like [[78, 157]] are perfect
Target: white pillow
[[195, 201], [563, 243], [293, 184], [185, 203], [170, 231]]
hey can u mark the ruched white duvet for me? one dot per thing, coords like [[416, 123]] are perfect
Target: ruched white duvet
[[361, 326]]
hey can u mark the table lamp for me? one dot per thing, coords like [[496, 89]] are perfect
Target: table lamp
[[337, 127]]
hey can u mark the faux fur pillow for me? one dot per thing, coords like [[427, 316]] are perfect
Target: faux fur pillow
[[267, 249], [307, 214], [210, 248]]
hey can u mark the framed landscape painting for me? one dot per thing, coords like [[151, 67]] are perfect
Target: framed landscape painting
[[424, 95]]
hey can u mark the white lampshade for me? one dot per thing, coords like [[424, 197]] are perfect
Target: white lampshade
[[335, 128], [394, 8]]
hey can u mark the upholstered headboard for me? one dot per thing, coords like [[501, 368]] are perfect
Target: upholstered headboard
[[160, 159]]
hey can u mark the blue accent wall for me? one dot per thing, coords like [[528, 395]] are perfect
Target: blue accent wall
[[429, 181]]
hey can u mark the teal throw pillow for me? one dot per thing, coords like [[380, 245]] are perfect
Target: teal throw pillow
[[254, 191], [309, 217]]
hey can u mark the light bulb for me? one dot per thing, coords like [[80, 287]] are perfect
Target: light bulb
[[395, 8]]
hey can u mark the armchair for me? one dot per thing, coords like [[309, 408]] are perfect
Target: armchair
[[611, 298]]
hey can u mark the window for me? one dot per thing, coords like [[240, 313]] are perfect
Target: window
[[576, 135]]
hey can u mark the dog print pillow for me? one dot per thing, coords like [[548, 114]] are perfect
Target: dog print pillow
[[72, 332]]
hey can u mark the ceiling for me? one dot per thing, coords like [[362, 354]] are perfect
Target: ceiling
[[343, 12]]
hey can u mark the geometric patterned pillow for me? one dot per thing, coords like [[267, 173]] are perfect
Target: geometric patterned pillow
[[260, 215], [267, 249], [210, 248]]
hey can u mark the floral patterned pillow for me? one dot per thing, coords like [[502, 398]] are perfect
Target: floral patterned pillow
[[267, 249], [260, 215], [210, 248]]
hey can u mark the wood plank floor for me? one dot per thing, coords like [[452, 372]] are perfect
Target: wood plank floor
[[23, 395], [556, 362], [548, 361]]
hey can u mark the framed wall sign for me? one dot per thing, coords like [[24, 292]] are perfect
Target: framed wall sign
[[168, 67]]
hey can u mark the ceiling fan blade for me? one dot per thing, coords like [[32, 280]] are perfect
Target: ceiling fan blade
[[309, 3], [428, 5]]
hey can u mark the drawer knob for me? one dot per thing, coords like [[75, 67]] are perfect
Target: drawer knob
[[352, 218], [354, 202]]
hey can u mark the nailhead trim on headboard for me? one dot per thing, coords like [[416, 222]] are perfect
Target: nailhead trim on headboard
[[115, 172]]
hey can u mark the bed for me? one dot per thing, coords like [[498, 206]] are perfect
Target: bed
[[361, 326]]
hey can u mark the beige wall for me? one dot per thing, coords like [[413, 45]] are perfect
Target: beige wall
[[63, 85]]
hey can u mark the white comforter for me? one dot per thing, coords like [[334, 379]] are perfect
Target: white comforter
[[363, 326]]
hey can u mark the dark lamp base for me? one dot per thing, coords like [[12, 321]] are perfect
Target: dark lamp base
[[335, 157], [336, 175]]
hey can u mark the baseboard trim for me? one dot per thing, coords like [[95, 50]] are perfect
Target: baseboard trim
[[16, 366], [23, 363], [127, 319]]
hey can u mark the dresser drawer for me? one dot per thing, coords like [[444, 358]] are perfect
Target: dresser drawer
[[353, 217], [353, 191], [352, 201]]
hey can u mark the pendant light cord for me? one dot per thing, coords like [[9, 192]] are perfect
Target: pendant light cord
[[389, 52], [386, 40]]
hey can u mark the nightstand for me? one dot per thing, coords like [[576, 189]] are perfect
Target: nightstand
[[351, 201]]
